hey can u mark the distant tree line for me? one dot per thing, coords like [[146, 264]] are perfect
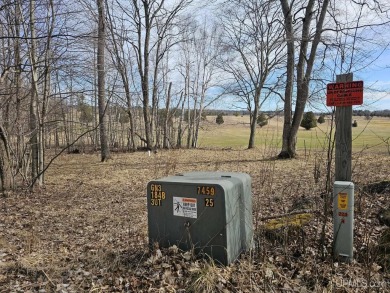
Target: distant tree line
[[367, 113]]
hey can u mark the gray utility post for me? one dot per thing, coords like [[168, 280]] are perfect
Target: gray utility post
[[343, 190], [343, 220]]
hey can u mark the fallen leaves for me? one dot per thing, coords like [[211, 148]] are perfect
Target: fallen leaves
[[87, 231]]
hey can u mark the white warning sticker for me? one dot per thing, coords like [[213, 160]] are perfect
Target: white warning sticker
[[185, 207]]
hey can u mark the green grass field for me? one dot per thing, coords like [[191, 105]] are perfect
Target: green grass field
[[370, 134]]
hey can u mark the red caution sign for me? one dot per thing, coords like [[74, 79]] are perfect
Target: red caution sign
[[344, 93]]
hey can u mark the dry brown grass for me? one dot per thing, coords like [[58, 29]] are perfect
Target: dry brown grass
[[86, 231], [372, 135]]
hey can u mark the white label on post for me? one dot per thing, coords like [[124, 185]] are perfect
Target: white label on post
[[185, 207]]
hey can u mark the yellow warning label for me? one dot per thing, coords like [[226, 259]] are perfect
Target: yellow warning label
[[342, 201]]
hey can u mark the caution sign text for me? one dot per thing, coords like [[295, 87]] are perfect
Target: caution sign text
[[344, 93], [185, 207]]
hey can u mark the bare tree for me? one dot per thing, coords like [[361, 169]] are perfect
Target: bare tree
[[123, 62], [41, 64], [311, 19], [207, 44], [18, 90], [185, 70], [43, 67], [167, 118], [105, 151], [152, 22], [34, 123], [197, 66], [312, 10], [254, 51], [11, 94]]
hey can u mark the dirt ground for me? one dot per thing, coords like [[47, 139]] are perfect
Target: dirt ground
[[86, 229]]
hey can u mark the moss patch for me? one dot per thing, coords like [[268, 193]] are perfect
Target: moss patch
[[284, 229], [288, 221]]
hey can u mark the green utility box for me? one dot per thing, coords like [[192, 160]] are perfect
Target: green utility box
[[210, 212]]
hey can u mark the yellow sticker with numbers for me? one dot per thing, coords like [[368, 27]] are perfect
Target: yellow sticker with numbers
[[342, 201]]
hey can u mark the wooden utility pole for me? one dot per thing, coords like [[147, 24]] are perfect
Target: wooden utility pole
[[343, 94], [343, 159]]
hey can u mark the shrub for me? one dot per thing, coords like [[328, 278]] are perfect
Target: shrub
[[321, 119], [309, 120], [219, 119], [262, 120]]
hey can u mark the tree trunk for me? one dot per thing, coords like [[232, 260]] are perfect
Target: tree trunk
[[304, 70], [46, 92], [144, 72], [5, 166], [189, 119], [253, 121], [180, 126], [18, 86], [200, 112], [166, 144], [124, 75], [287, 145], [104, 148], [95, 134], [34, 123]]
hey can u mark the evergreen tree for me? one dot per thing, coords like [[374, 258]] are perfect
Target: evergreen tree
[[219, 120], [321, 119], [262, 120], [309, 120]]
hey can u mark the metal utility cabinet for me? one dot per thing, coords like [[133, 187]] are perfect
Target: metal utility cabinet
[[343, 220], [210, 212]]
